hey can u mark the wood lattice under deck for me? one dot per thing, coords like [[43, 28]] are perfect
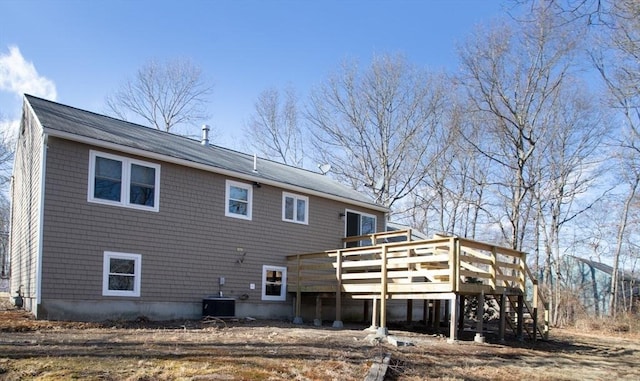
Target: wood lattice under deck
[[434, 269]]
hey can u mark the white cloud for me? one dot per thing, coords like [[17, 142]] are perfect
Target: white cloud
[[9, 130], [19, 76]]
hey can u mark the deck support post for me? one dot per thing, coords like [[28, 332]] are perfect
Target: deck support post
[[382, 330], [480, 319], [447, 312], [411, 268], [318, 320], [365, 310], [437, 314], [453, 329], [425, 311], [547, 308], [298, 317], [520, 312], [535, 311], [374, 313], [461, 301], [338, 322], [503, 316]]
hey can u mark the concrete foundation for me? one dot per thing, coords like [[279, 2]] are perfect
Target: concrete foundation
[[158, 311]]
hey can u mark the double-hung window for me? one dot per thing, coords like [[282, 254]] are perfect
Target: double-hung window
[[238, 200], [121, 274], [122, 181], [295, 208], [274, 283]]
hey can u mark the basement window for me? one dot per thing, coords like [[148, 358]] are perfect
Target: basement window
[[274, 283], [121, 274]]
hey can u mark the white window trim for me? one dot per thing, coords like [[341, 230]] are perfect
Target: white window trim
[[283, 289], [295, 197], [126, 182], [249, 188], [105, 274]]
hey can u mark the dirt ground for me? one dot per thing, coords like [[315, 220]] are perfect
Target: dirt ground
[[277, 350]]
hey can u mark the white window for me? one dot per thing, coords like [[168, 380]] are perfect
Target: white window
[[121, 274], [274, 283], [121, 181], [295, 208], [238, 200]]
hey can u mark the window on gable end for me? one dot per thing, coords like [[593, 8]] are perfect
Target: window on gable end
[[122, 181], [108, 179], [142, 187]]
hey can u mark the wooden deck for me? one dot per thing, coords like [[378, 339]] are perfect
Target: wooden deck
[[391, 266]]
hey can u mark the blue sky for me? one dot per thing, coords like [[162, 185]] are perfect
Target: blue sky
[[78, 52]]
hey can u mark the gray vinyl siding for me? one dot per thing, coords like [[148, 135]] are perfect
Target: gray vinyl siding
[[25, 196], [185, 247]]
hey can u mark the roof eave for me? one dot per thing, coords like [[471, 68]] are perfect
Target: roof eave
[[205, 167]]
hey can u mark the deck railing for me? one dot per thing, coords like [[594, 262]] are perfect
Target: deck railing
[[412, 269], [447, 264]]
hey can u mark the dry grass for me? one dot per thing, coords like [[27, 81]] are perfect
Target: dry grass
[[137, 351], [275, 350], [569, 355], [627, 325]]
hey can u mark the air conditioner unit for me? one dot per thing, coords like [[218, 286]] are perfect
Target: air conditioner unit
[[219, 307]]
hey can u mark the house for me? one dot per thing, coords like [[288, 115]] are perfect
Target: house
[[113, 220], [590, 285], [415, 234]]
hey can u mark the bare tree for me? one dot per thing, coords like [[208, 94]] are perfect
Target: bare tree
[[6, 161], [164, 95], [567, 175], [615, 50], [513, 78], [274, 129], [6, 152], [633, 183], [618, 62], [588, 12], [450, 198], [377, 127]]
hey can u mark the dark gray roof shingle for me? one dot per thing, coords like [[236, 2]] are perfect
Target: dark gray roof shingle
[[55, 117]]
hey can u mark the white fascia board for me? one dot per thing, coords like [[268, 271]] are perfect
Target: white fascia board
[[43, 173], [43, 170], [208, 168]]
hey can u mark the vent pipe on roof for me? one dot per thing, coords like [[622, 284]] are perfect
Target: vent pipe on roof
[[205, 135], [255, 162]]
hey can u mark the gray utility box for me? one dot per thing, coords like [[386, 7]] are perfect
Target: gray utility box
[[219, 307]]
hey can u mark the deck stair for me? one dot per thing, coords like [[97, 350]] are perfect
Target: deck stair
[[530, 326]]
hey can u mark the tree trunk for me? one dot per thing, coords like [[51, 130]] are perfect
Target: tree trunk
[[613, 302], [594, 284]]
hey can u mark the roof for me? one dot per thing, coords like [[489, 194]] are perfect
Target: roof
[[84, 126], [627, 276], [416, 235]]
